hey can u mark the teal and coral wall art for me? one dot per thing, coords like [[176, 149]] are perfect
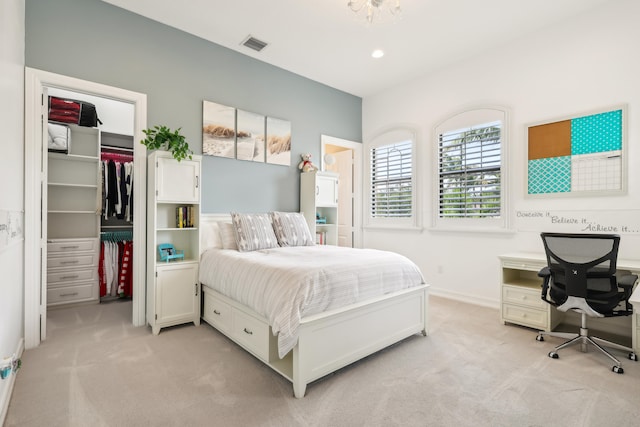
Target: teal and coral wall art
[[576, 156]]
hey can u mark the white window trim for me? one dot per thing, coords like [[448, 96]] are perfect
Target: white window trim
[[464, 118], [386, 137]]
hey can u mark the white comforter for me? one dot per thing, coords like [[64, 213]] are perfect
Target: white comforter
[[286, 284]]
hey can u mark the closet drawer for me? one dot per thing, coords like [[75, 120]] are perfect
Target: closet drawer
[[252, 333], [80, 260], [62, 246], [58, 277], [77, 293], [217, 313]]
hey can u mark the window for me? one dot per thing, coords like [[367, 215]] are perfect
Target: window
[[470, 171], [392, 179]]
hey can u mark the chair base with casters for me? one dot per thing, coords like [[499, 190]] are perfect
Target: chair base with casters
[[584, 339]]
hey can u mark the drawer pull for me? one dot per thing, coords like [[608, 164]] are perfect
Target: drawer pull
[[72, 294], [246, 331], [216, 312], [69, 262], [69, 277], [70, 247]]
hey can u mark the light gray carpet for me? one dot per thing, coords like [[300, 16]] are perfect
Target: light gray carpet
[[95, 369]]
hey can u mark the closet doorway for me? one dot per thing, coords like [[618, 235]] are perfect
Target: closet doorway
[[345, 158], [37, 85]]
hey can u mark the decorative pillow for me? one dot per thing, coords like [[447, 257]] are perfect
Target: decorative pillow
[[291, 229], [228, 236], [253, 231], [211, 236]]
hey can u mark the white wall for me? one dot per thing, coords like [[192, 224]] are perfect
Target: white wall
[[586, 63], [12, 193]]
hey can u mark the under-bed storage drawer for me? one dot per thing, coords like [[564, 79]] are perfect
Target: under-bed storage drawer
[[217, 313], [252, 333]]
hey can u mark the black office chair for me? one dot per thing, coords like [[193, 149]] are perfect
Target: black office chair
[[581, 276]]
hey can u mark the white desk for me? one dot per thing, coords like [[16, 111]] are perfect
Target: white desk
[[520, 301]]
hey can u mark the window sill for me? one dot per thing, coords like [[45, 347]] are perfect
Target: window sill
[[488, 230], [403, 228]]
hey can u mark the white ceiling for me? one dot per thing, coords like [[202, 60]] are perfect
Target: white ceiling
[[321, 39]]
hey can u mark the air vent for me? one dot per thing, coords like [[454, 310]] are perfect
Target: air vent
[[254, 43]]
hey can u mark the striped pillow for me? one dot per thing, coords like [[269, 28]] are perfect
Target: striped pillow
[[253, 231], [291, 229]]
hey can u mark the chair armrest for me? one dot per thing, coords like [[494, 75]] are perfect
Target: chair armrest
[[545, 273], [628, 280]]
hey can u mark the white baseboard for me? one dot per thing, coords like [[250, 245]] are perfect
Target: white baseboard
[[484, 302], [6, 386]]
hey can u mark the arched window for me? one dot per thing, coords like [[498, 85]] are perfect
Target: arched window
[[470, 170], [392, 179]]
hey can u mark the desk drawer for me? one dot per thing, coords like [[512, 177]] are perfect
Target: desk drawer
[[524, 265], [80, 260], [68, 294], [252, 333], [523, 296], [217, 313], [533, 318]]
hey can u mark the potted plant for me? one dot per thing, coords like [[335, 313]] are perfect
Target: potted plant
[[163, 138]]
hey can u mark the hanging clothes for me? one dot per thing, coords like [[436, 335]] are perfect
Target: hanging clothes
[[115, 267]]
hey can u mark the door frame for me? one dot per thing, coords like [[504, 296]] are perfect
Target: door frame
[[356, 147], [35, 289]]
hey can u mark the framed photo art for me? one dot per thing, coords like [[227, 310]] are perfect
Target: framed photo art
[[218, 130], [578, 156], [278, 141], [250, 141]]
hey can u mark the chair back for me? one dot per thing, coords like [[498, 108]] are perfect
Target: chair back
[[583, 266]]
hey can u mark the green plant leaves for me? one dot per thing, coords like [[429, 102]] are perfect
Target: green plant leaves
[[163, 138]]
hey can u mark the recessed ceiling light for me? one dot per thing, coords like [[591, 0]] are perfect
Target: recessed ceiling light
[[378, 53]]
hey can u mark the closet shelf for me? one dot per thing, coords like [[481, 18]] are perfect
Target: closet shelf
[[74, 212], [64, 184], [73, 157]]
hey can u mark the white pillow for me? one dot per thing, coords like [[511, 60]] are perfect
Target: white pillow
[[228, 236], [210, 236], [253, 231], [291, 229]]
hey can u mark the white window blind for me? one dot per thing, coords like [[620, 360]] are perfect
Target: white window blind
[[392, 180], [470, 172]]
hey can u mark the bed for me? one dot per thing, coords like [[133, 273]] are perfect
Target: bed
[[307, 310]]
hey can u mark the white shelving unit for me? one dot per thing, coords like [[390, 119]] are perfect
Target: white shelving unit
[[73, 219], [319, 196], [173, 294]]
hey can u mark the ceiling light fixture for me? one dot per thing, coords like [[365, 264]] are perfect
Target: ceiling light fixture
[[375, 9], [378, 53]]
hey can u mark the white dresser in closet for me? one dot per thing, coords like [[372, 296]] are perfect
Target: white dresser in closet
[[73, 219]]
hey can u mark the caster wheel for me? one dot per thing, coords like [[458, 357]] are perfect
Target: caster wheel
[[633, 356], [539, 338], [553, 355], [618, 370]]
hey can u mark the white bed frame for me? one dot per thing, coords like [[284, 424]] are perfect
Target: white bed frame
[[327, 341]]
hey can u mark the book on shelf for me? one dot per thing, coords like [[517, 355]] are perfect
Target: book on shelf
[[321, 237], [184, 216]]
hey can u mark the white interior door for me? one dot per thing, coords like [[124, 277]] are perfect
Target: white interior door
[[350, 185], [36, 82], [344, 167]]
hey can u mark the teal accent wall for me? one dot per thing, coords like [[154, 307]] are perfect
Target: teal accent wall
[[95, 41]]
